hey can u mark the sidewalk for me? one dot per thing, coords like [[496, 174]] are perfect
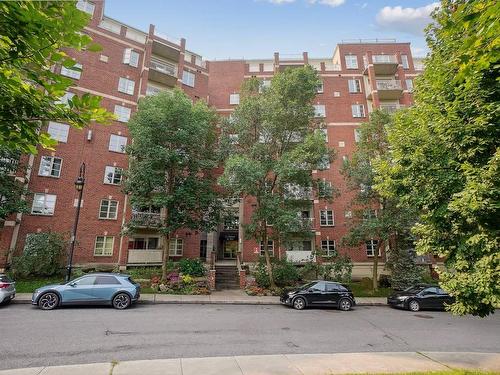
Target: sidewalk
[[282, 364], [230, 297]]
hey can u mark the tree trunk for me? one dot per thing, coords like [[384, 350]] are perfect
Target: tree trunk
[[375, 265], [268, 259], [165, 258]]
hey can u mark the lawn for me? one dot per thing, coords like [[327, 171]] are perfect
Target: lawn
[[360, 289], [29, 286]]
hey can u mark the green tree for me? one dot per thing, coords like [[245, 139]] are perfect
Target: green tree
[[375, 217], [446, 153], [172, 162], [278, 144], [11, 189], [33, 38]]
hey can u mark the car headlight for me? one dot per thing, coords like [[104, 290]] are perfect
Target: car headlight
[[290, 293], [402, 298]]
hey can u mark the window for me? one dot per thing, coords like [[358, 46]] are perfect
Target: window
[[358, 110], [319, 110], [188, 78], [50, 166], [113, 175], [325, 133], [351, 61], [123, 113], [126, 86], [176, 247], [264, 85], [270, 247], [106, 280], [153, 90], [234, 99], [369, 215], [86, 280], [328, 247], [357, 135], [326, 218], [43, 204], [203, 249], [74, 72], [409, 85], [268, 67], [354, 86], [65, 98], [254, 67], [131, 57], [85, 6], [325, 189], [117, 143], [104, 245], [371, 246], [299, 246], [320, 88], [144, 243], [324, 163], [404, 61], [58, 131], [108, 209]]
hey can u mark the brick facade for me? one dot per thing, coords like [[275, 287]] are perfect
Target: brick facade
[[214, 81]]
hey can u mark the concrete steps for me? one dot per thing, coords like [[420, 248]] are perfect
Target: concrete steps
[[226, 277]]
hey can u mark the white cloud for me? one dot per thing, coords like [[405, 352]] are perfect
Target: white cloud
[[332, 3], [407, 20]]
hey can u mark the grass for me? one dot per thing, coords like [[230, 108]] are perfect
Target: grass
[[29, 285], [360, 289]]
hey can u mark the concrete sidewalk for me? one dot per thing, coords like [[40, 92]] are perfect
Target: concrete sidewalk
[[289, 364], [230, 297]]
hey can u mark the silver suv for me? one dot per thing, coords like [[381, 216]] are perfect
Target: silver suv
[[7, 289]]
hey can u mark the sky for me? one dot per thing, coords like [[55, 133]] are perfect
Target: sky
[[222, 29]]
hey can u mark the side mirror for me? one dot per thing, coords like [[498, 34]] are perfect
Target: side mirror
[[310, 290], [72, 284]]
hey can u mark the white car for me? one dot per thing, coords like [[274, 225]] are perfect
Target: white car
[[7, 289]]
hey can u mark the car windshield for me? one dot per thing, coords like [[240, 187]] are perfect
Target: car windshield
[[307, 286], [415, 289]]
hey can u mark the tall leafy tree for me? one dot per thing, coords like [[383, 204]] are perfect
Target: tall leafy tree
[[446, 153], [375, 217], [11, 189], [33, 38], [172, 164], [275, 144]]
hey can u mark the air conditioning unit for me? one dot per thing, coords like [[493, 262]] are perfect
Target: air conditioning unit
[[89, 135]]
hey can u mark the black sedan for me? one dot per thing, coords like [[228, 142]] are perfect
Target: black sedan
[[421, 296], [319, 293]]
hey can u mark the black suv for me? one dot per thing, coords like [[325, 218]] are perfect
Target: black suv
[[319, 293]]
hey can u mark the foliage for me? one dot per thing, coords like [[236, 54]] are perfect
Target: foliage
[[33, 38], [143, 272], [192, 267], [11, 189], [446, 153], [338, 268], [375, 216], [404, 271], [278, 144], [285, 273], [172, 164], [43, 255]]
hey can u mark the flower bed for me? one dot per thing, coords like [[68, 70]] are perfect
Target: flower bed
[[177, 283]]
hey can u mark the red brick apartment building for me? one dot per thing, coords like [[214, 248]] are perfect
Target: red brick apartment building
[[360, 76]]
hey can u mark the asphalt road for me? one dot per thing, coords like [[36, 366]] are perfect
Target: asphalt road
[[31, 337]]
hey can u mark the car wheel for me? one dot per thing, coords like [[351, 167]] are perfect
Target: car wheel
[[299, 303], [48, 301], [345, 304], [121, 301], [413, 305]]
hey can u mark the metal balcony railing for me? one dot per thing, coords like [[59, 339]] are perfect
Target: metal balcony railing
[[164, 67], [384, 59], [145, 219], [391, 108], [392, 84]]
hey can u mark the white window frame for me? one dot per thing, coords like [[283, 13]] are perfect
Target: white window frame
[[357, 135], [108, 210], [254, 67], [51, 161], [105, 242], [188, 78], [354, 86], [117, 143], [327, 249], [131, 57], [49, 204], [270, 247], [126, 86], [326, 218], [370, 247], [409, 86], [85, 6], [324, 186], [176, 247], [146, 238], [324, 163], [110, 173], [351, 61], [319, 110], [65, 98], [72, 73], [405, 62], [234, 99], [358, 110], [58, 131], [122, 113], [321, 87]]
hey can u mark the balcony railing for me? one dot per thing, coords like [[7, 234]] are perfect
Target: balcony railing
[[384, 59], [391, 108], [392, 84], [145, 219], [140, 256], [164, 67]]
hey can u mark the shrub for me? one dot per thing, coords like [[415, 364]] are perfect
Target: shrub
[[43, 256], [285, 273], [404, 271], [144, 272], [192, 267], [339, 269]]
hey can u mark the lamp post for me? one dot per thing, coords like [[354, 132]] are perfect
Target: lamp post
[[79, 183]]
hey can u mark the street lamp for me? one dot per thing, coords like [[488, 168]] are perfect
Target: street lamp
[[79, 183]]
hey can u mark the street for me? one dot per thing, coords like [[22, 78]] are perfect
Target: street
[[30, 337]]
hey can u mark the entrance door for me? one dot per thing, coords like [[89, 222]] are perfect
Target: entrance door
[[230, 249]]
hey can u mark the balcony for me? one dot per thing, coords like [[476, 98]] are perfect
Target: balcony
[[297, 256], [139, 256], [391, 108], [166, 51], [388, 89], [163, 72], [145, 219], [385, 64]]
